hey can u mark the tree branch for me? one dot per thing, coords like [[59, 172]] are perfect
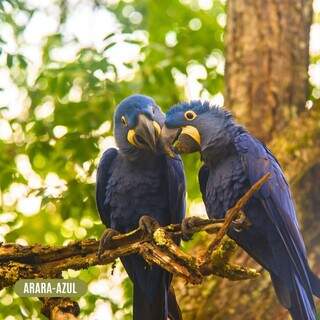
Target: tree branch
[[38, 261]]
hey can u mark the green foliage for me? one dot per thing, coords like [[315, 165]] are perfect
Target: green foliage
[[67, 114]]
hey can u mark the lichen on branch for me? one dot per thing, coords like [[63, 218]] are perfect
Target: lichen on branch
[[38, 261]]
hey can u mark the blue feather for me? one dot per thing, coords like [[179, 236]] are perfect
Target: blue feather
[[103, 175]]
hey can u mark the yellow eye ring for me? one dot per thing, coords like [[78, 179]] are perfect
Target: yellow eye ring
[[124, 121], [190, 115]]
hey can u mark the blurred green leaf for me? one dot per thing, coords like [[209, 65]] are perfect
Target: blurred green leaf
[[9, 60]]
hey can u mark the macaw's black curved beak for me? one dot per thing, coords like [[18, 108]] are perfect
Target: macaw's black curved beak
[[179, 140], [145, 135], [167, 139]]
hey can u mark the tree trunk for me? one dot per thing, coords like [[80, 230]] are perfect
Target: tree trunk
[[306, 192], [267, 57]]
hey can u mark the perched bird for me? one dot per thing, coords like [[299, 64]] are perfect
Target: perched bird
[[233, 161], [135, 185]]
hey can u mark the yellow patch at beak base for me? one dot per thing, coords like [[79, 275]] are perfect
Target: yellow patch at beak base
[[131, 137], [193, 133]]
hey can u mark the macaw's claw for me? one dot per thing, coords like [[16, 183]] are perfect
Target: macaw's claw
[[187, 226], [242, 223], [105, 241], [148, 225]]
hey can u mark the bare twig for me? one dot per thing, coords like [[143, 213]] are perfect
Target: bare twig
[[232, 214]]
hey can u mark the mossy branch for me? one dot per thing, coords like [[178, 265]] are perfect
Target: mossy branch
[[38, 261]]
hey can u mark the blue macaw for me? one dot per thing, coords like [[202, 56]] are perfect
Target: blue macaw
[[233, 161], [136, 181]]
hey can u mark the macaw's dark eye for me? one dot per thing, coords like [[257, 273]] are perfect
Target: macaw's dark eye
[[190, 115], [124, 121]]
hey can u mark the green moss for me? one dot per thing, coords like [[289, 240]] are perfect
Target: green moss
[[159, 237]]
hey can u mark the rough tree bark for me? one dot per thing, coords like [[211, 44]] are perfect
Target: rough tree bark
[[267, 56], [266, 81]]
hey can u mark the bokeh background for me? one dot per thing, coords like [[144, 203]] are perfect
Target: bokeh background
[[65, 64]]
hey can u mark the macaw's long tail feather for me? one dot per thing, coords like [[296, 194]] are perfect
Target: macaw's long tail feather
[[302, 305], [315, 283], [144, 309], [174, 310], [295, 298], [151, 284], [165, 305]]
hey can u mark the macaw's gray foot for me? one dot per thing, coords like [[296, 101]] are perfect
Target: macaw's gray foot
[[105, 241], [242, 223], [187, 227], [148, 225]]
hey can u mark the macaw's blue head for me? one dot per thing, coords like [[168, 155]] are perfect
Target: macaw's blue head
[[137, 125], [194, 126]]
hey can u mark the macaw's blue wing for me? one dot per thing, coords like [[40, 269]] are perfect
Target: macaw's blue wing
[[293, 280], [103, 174], [176, 188], [203, 179]]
